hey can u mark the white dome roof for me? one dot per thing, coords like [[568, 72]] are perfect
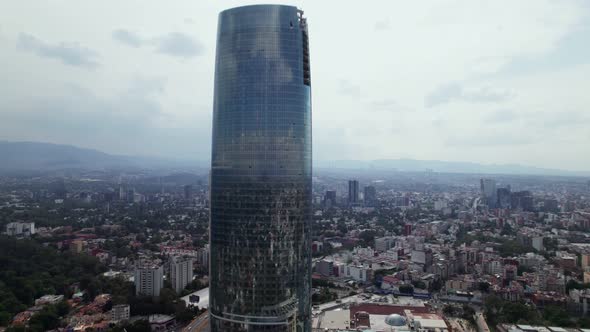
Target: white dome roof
[[395, 320]]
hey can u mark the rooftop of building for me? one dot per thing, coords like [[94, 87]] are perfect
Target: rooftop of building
[[386, 309], [335, 319], [159, 319]]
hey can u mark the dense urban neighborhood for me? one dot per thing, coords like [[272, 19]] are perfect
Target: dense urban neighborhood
[[427, 251]]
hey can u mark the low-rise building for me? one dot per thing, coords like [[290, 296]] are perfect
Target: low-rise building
[[49, 299], [161, 322], [325, 267], [120, 312], [359, 273]]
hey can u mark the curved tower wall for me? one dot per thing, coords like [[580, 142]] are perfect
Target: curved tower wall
[[260, 266]]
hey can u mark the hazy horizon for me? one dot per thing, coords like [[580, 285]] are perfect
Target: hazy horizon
[[53, 155], [467, 81]]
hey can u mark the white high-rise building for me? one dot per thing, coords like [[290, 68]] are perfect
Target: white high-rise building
[[440, 205], [20, 228], [181, 272], [384, 243], [537, 243], [203, 257], [149, 279]]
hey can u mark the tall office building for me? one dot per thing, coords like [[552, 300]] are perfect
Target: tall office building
[[203, 258], [59, 189], [188, 192], [551, 205], [122, 193], [504, 198], [408, 229], [149, 279], [370, 196], [181, 272], [522, 200], [330, 198], [353, 192], [130, 195], [261, 195], [488, 192]]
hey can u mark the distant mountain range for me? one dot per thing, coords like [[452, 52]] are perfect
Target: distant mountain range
[[411, 165], [29, 156], [45, 156]]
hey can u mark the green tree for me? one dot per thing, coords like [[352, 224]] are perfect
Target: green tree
[[137, 326], [512, 248], [46, 319], [368, 237], [406, 289], [419, 284], [323, 296], [62, 308], [436, 285], [30, 270], [572, 284], [185, 315], [483, 287], [550, 244], [468, 313], [584, 322], [342, 228], [449, 310], [499, 311], [4, 318], [507, 230], [557, 316]]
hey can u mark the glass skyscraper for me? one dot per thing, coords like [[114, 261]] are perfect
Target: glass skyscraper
[[353, 192], [260, 267]]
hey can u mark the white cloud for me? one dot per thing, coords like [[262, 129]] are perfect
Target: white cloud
[[373, 68], [72, 54], [128, 37], [455, 92], [173, 43]]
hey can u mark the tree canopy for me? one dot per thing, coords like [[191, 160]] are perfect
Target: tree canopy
[[31, 270]]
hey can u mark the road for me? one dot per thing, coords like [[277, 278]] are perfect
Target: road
[[480, 320], [199, 324]]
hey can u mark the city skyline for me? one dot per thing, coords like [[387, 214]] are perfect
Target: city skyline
[[157, 169], [508, 89]]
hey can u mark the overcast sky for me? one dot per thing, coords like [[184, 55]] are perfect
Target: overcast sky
[[498, 81]]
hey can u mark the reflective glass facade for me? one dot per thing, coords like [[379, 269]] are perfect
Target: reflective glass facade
[[260, 267]]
